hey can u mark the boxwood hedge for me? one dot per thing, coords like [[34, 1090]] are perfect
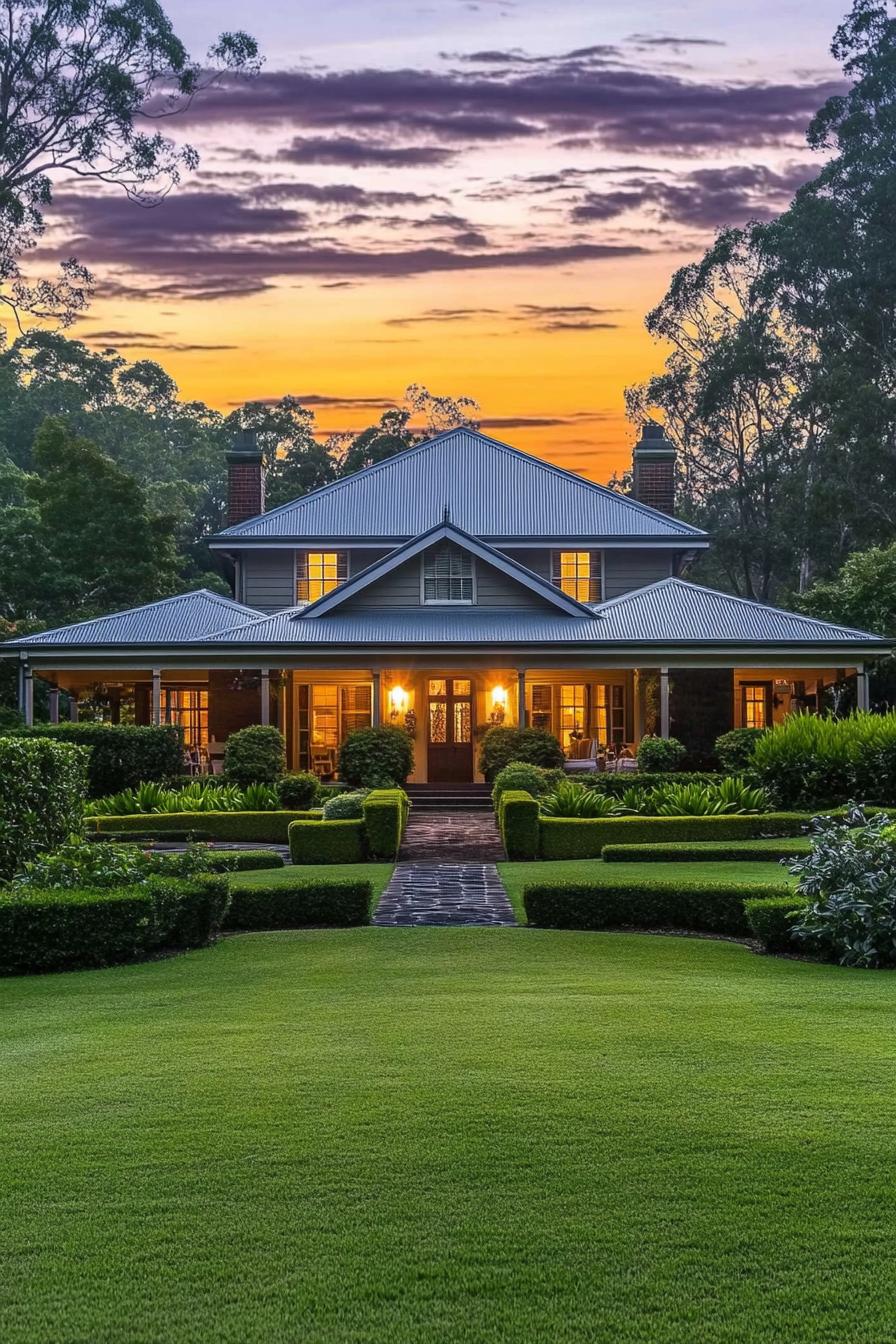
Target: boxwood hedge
[[42, 786], [249, 827], [122, 756], [707, 851], [385, 821], [704, 906], [771, 918], [327, 842], [585, 837], [299, 904]]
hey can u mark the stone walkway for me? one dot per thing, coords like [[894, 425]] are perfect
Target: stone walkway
[[445, 893], [452, 837]]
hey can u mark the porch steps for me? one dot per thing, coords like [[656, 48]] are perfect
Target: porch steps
[[450, 797]]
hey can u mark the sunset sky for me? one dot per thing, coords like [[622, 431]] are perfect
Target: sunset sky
[[484, 196]]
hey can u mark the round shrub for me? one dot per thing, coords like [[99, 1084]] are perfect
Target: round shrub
[[735, 749], [660, 754], [532, 779], [255, 755], [500, 746], [298, 791], [122, 756], [376, 758], [345, 806]]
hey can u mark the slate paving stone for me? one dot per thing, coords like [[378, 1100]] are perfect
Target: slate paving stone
[[452, 837], [445, 893]]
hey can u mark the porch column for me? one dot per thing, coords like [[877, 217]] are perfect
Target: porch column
[[28, 688], [20, 686], [54, 704], [664, 702], [863, 689], [521, 697], [265, 696], [377, 708], [157, 695], [73, 706]]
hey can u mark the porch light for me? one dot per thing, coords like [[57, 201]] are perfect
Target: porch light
[[499, 704], [398, 701]]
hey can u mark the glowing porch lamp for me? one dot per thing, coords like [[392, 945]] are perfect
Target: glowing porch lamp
[[398, 701], [499, 704]]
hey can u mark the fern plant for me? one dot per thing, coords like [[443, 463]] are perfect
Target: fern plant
[[574, 800]]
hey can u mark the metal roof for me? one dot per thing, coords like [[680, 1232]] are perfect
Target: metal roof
[[488, 488], [185, 618]]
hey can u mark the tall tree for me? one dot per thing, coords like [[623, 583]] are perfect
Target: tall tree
[[81, 82]]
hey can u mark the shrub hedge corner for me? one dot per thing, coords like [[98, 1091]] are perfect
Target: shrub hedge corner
[[385, 814], [771, 919], [299, 904], [585, 837], [327, 842], [519, 824], [704, 906], [42, 785]]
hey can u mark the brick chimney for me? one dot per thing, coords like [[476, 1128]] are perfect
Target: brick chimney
[[653, 469], [245, 478]]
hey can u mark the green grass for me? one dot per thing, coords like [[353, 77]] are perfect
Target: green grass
[[430, 1136], [377, 874], [517, 876]]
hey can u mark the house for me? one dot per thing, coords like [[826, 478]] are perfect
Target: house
[[460, 584]]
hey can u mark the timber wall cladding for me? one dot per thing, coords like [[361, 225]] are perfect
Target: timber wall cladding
[[233, 706]]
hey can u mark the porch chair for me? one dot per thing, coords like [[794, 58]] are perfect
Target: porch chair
[[583, 756]]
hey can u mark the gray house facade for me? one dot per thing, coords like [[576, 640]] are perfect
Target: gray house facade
[[458, 585]]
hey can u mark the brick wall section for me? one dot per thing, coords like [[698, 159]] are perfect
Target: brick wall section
[[245, 487], [654, 484]]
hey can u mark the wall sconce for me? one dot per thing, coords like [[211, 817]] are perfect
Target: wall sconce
[[398, 701], [499, 704]]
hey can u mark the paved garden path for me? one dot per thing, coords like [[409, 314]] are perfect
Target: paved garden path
[[452, 837], [445, 893]]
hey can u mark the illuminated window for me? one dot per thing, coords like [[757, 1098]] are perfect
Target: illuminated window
[[541, 711], [325, 717], [319, 572], [189, 710], [608, 715], [577, 573], [572, 714], [756, 705], [448, 575]]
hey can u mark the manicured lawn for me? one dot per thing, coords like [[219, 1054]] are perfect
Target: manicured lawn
[[517, 876], [377, 874], [428, 1136]]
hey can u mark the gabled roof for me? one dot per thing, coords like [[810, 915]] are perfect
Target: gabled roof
[[489, 489], [185, 618], [447, 532], [675, 611]]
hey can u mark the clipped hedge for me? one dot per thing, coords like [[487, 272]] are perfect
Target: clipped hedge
[[771, 919], [519, 824], [704, 906], [269, 828], [70, 930], [585, 837], [705, 851], [244, 860], [385, 821], [122, 756], [299, 904], [327, 842], [41, 798]]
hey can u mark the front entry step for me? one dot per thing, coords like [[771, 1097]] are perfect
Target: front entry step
[[450, 797]]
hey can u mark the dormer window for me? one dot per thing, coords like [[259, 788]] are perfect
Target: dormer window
[[319, 572], [578, 574], [448, 576]]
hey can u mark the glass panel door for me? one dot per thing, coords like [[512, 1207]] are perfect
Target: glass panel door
[[450, 730]]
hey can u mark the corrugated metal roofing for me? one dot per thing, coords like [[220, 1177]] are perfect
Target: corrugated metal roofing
[[186, 617], [488, 488]]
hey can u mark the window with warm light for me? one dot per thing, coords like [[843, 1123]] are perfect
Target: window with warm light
[[756, 705], [578, 574], [448, 576], [572, 714], [608, 715], [319, 572], [189, 710]]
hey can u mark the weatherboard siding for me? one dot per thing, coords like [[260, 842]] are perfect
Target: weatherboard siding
[[268, 579], [625, 571], [402, 587]]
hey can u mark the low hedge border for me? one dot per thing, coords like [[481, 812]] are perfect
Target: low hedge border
[[585, 837], [327, 841], [253, 827], [518, 823], [705, 907], [385, 822], [243, 860], [771, 919], [72, 930], [300, 904], [707, 851]]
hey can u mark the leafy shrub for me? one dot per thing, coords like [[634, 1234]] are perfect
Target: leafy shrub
[[345, 806], [534, 779], [706, 851], [100, 865], [584, 837], [327, 842], [660, 754], [518, 822], [67, 929], [618, 784], [849, 881], [500, 746], [269, 828], [255, 755], [574, 800], [42, 786], [707, 800], [705, 906], [197, 796], [771, 920], [121, 755], [808, 761], [298, 790], [376, 758], [299, 904], [385, 814], [734, 749]]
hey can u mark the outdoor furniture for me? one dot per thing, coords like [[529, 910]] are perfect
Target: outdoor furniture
[[584, 756], [323, 761]]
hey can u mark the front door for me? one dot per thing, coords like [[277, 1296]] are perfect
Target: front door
[[450, 730]]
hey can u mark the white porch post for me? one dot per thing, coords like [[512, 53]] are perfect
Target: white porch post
[[376, 707], [157, 696], [637, 729], [521, 697], [863, 688], [28, 694], [54, 704], [265, 696], [73, 706], [664, 702]]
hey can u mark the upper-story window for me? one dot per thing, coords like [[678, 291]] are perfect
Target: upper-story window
[[448, 576], [578, 574], [319, 572]]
